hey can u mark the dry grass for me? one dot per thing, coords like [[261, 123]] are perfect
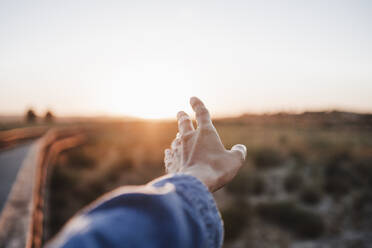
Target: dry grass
[[317, 168]]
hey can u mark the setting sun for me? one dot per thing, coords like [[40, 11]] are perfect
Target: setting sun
[[152, 91], [146, 60]]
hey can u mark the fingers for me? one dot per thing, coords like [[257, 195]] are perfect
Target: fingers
[[240, 151], [175, 143], [167, 159], [184, 123], [167, 153], [201, 112]]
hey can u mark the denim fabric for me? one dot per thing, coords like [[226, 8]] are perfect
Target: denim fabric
[[174, 211]]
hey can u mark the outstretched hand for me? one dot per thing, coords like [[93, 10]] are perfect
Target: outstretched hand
[[199, 152]]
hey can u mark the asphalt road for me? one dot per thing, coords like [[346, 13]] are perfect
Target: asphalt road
[[10, 163]]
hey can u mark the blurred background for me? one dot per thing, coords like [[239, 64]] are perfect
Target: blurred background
[[292, 80]]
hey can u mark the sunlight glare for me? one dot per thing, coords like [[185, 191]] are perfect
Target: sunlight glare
[[153, 92]]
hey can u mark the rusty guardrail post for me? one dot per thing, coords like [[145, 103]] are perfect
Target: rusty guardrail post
[[22, 219], [11, 138]]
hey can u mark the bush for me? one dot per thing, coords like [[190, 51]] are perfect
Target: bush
[[30, 116], [49, 116], [362, 209], [267, 157], [301, 222], [339, 157], [79, 159], [283, 139], [235, 219], [311, 195], [293, 182], [257, 185], [337, 186], [363, 171], [245, 183], [339, 179], [298, 156]]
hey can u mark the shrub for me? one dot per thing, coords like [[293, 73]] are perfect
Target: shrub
[[362, 209], [311, 195], [336, 186], [298, 156], [257, 186], [246, 183], [267, 157], [235, 219], [301, 222], [363, 171], [79, 159], [283, 139], [293, 182], [30, 116], [49, 116], [339, 179], [339, 157]]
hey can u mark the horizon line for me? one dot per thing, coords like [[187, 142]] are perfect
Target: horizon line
[[214, 116]]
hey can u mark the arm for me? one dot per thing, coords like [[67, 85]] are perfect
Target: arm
[[173, 211]]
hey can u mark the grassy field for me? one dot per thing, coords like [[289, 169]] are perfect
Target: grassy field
[[306, 183]]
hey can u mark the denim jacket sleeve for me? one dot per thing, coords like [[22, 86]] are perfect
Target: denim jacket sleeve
[[173, 211]]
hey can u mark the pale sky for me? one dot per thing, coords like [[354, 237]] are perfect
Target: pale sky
[[146, 58]]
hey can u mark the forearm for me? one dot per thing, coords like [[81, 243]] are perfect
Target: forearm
[[172, 211]]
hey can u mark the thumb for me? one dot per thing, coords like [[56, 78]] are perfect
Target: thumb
[[240, 151]]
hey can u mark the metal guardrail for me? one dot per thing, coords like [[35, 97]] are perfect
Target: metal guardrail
[[13, 137], [23, 217]]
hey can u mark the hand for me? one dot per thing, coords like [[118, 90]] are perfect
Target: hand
[[199, 152]]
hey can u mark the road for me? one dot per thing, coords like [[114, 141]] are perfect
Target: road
[[10, 163]]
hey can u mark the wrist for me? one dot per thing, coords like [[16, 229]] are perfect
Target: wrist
[[203, 173]]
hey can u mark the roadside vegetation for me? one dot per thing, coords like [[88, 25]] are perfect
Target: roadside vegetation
[[306, 181]]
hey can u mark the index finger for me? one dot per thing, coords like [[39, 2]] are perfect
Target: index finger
[[184, 123], [201, 112]]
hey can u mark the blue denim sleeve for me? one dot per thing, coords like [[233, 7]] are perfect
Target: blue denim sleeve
[[174, 211]]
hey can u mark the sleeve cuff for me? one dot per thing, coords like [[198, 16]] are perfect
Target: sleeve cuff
[[199, 202]]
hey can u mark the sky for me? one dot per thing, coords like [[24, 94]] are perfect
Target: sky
[[146, 58]]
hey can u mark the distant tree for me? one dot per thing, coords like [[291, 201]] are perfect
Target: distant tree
[[49, 116], [30, 116]]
